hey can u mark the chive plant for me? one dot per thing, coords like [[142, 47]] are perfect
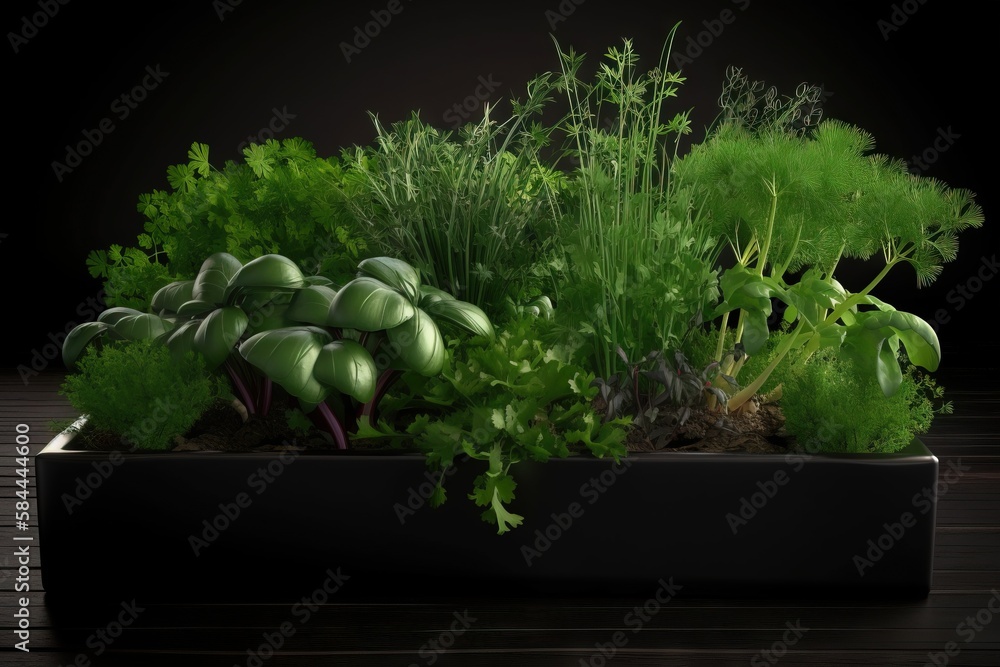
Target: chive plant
[[468, 208]]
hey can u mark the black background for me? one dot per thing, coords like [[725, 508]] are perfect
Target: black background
[[229, 71]]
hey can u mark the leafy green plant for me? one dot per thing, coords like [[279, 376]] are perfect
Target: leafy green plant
[[265, 323], [635, 266], [792, 202], [514, 399], [829, 395], [140, 393], [208, 315], [467, 209], [360, 339], [659, 393], [282, 199], [628, 240]]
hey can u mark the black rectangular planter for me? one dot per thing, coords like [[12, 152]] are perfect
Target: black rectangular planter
[[212, 524]]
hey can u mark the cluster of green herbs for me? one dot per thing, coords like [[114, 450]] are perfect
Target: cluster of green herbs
[[636, 263], [582, 258], [830, 391], [265, 324], [281, 199], [513, 399], [170, 392], [793, 196], [469, 210]]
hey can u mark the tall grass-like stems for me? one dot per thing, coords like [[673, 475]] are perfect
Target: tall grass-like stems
[[468, 211], [633, 247]]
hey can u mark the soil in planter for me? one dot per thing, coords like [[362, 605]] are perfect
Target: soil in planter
[[222, 428], [760, 431]]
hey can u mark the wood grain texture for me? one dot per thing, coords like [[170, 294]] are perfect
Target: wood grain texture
[[504, 630]]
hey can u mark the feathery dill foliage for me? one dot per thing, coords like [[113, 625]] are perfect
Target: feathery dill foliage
[[283, 199], [137, 390], [789, 190], [786, 201], [828, 395], [468, 208], [792, 193], [636, 265]]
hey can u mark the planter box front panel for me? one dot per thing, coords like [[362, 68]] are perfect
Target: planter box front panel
[[219, 523]]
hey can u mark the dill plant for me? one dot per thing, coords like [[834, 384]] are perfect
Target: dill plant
[[829, 395], [635, 265], [793, 195], [140, 392]]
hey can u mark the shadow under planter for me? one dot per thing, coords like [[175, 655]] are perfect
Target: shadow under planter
[[212, 525]]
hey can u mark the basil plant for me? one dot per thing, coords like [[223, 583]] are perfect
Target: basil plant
[[336, 349]]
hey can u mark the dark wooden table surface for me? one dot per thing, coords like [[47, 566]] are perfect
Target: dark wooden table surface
[[955, 617]]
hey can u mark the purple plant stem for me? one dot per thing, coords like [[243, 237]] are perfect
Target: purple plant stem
[[382, 385], [323, 417], [265, 403], [241, 389]]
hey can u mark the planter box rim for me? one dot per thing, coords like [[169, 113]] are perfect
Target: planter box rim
[[60, 445]]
